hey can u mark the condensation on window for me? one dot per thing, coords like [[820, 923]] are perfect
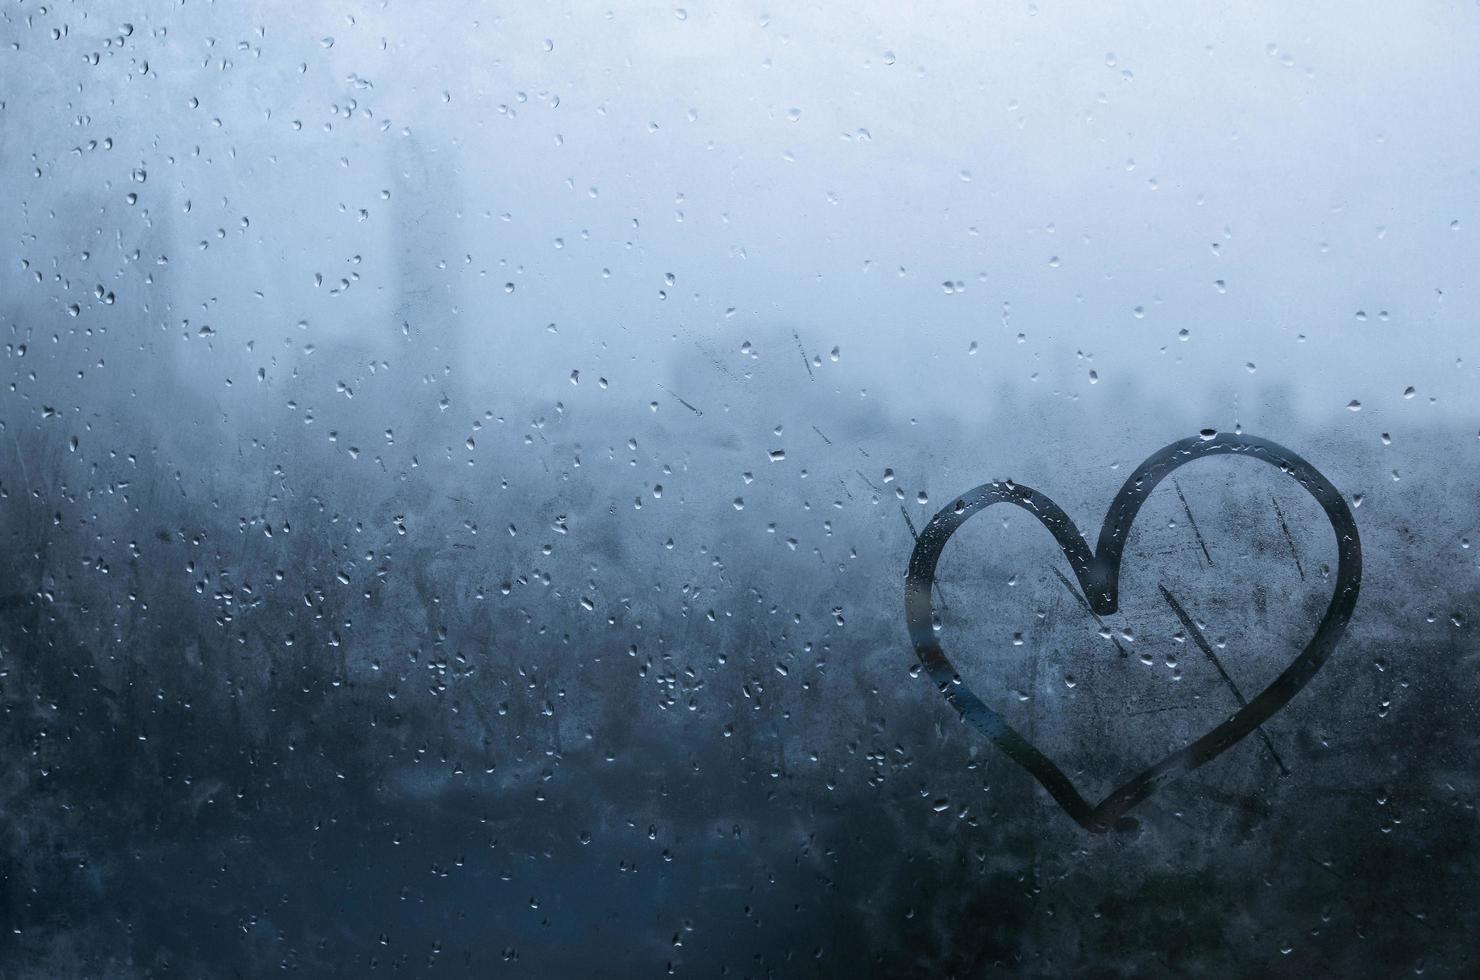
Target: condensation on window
[[475, 484]]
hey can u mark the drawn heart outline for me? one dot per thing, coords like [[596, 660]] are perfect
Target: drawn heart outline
[[1099, 578]]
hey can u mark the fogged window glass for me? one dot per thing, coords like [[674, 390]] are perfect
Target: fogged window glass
[[738, 490]]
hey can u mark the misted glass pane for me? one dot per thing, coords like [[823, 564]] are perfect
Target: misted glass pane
[[513, 490]]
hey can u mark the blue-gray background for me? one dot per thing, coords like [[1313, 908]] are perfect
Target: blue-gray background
[[458, 463]]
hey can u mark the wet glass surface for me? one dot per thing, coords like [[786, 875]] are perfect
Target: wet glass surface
[[460, 468]]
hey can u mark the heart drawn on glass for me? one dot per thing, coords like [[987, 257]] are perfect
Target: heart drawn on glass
[[1099, 579]]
